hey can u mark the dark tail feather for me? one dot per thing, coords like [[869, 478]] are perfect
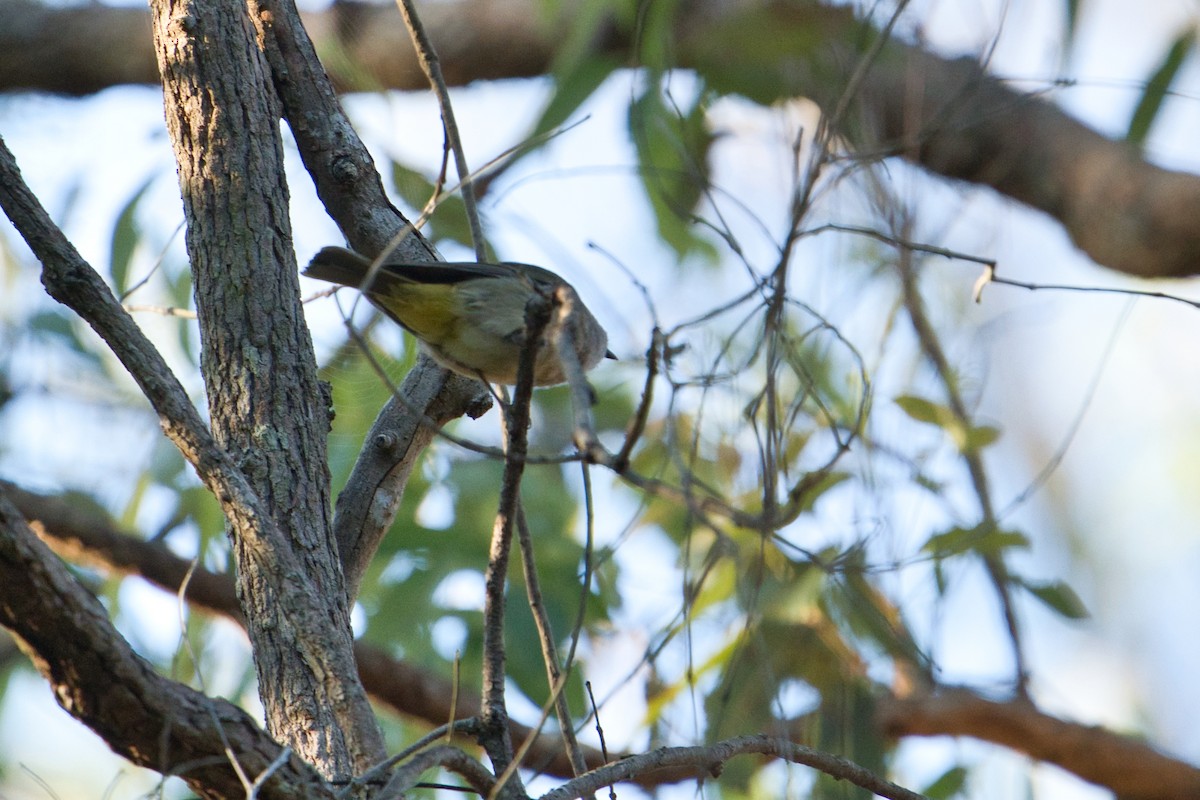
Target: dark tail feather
[[339, 265]]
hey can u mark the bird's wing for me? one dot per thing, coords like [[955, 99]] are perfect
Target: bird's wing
[[459, 271]]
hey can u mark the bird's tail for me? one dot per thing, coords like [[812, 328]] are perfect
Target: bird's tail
[[339, 265]]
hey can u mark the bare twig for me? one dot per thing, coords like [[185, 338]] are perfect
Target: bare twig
[[989, 276], [451, 758], [377, 773], [432, 67], [637, 426], [495, 737], [555, 676], [710, 760], [612, 791], [166, 311]]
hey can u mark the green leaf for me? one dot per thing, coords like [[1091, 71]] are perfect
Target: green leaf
[[572, 88], [980, 437], [923, 410], [966, 439], [1058, 597], [125, 237], [1072, 26], [980, 539], [449, 218], [950, 783], [672, 148], [1157, 86]]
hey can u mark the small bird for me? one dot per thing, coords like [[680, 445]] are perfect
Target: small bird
[[468, 316]]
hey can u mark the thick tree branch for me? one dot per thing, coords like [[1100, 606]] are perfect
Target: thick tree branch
[[428, 398], [351, 190], [947, 115], [266, 405], [407, 690], [150, 720], [1131, 769]]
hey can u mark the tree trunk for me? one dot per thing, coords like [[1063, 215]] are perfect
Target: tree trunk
[[268, 410]]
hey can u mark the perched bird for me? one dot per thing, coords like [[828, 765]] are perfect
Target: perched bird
[[469, 316]]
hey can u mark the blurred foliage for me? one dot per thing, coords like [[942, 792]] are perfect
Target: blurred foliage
[[1158, 84], [754, 403]]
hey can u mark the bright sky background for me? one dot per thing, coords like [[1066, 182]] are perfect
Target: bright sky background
[[1118, 518]]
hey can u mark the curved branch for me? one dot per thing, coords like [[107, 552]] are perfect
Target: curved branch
[[98, 679], [710, 760], [1131, 769], [947, 115], [404, 688], [428, 398], [405, 778], [1125, 765]]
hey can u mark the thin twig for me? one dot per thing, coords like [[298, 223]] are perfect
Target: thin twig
[[377, 772], [555, 675], [162, 254], [166, 311], [711, 759], [612, 792], [432, 67], [993, 562], [1089, 395], [990, 276], [451, 758], [495, 736], [637, 427]]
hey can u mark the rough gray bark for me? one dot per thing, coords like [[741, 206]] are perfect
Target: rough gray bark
[[349, 186], [93, 539], [366, 508], [151, 720], [268, 410]]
